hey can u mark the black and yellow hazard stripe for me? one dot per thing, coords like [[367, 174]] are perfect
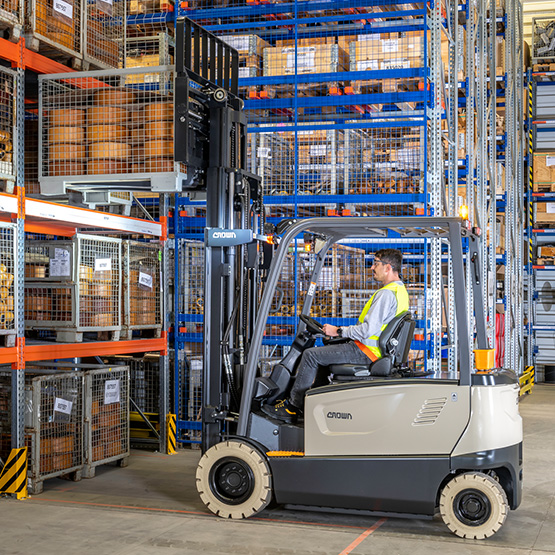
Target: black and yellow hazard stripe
[[171, 427], [530, 166], [526, 381], [13, 478]]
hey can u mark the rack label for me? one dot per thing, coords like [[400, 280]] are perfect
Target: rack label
[[391, 45], [111, 391], [396, 64], [102, 264], [145, 280], [62, 405], [63, 9]]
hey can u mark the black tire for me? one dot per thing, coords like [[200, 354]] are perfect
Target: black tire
[[234, 480], [473, 505]]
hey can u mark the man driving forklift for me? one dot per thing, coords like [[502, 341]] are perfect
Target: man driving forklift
[[386, 303]]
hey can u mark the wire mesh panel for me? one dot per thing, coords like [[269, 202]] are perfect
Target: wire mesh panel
[[142, 307], [7, 127], [148, 51], [87, 295], [190, 396], [32, 186], [191, 280], [99, 282], [54, 28], [104, 43], [543, 40], [107, 415], [8, 287], [108, 125], [11, 16]]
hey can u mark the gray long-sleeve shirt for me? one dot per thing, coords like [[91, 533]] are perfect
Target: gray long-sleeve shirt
[[382, 311]]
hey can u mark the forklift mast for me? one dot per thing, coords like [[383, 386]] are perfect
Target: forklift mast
[[211, 140]]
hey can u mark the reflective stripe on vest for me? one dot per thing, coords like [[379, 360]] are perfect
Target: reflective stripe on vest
[[370, 345]]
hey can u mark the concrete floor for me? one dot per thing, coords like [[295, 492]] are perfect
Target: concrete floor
[[151, 507]]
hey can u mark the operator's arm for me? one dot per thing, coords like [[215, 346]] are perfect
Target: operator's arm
[[381, 312]]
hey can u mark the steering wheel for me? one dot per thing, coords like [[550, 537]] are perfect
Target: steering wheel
[[312, 325]]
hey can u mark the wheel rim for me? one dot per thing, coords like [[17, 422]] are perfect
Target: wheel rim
[[231, 480], [472, 507]]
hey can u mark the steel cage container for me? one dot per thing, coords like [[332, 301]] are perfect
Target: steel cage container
[[142, 284], [106, 437]]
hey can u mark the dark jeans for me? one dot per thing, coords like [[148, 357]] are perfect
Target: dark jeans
[[313, 359]]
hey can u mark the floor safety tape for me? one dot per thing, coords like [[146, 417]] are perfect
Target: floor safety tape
[[13, 478], [171, 427]]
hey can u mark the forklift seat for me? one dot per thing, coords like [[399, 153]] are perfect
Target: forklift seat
[[394, 343]]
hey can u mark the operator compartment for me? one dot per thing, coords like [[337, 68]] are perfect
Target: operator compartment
[[386, 417]]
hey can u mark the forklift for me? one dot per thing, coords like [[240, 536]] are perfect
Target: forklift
[[368, 433]]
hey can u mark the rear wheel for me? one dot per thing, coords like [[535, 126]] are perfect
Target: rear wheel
[[233, 480], [473, 505]]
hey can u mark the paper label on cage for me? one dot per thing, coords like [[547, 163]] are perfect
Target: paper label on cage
[[305, 58], [396, 64], [111, 391], [105, 6], [366, 65], [391, 45], [63, 406], [102, 264], [311, 289], [550, 160], [550, 207], [264, 152], [60, 264], [318, 150], [63, 10], [145, 280]]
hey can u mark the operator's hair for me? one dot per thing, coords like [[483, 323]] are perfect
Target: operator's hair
[[391, 256]]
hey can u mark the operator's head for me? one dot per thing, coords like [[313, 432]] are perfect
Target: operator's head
[[387, 265]]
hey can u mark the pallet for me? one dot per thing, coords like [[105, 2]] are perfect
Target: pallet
[[373, 86], [543, 187], [75, 336], [545, 261], [51, 50], [8, 339], [89, 469], [543, 67], [36, 485], [155, 331]]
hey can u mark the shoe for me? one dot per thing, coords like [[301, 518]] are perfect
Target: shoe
[[282, 410]]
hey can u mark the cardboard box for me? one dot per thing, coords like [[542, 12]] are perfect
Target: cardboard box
[[249, 45], [391, 53], [545, 212], [325, 58], [543, 170], [546, 252]]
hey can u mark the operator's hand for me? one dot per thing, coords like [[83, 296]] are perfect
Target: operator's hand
[[329, 330]]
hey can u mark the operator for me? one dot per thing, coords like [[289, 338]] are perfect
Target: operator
[[386, 303]]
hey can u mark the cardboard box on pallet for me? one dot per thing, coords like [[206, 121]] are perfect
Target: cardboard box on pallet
[[247, 45], [543, 171], [325, 58]]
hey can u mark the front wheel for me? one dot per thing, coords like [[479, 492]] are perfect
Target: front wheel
[[473, 505], [234, 480]]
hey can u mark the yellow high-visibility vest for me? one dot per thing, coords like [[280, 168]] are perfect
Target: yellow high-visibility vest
[[370, 345]]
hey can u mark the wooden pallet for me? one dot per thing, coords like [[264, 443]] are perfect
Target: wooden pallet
[[144, 333], [543, 187]]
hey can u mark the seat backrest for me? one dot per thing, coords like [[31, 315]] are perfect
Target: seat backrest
[[395, 339]]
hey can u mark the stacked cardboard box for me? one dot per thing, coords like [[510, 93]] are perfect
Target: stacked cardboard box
[[544, 172], [107, 424], [318, 58]]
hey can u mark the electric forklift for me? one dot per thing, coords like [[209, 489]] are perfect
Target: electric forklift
[[373, 429]]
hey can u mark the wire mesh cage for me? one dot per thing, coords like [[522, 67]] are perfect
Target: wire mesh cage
[[49, 260], [149, 51], [136, 7], [11, 16], [7, 128], [32, 186], [142, 279], [104, 126], [543, 40], [191, 285], [88, 298], [54, 29], [107, 417], [104, 44], [8, 284], [53, 424], [190, 396]]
